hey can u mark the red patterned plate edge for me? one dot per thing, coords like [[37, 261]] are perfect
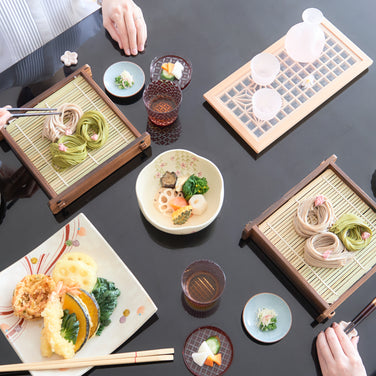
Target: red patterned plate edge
[[205, 370], [155, 73]]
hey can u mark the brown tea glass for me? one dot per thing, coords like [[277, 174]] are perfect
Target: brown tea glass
[[162, 100], [203, 283]]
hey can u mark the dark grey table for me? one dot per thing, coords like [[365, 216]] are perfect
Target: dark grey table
[[218, 37]]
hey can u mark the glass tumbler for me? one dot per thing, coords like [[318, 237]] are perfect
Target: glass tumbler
[[162, 99], [203, 283]]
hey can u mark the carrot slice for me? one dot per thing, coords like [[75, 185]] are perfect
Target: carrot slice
[[165, 67], [170, 67], [209, 361], [178, 202], [217, 358]]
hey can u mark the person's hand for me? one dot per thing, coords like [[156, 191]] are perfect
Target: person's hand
[[4, 115], [338, 355], [125, 22]]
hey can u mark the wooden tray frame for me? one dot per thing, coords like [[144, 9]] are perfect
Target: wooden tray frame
[[244, 122], [252, 231], [58, 202]]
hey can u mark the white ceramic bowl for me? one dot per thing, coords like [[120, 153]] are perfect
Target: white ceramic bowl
[[182, 162]]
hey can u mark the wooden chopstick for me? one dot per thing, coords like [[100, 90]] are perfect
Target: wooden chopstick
[[361, 316], [147, 356]]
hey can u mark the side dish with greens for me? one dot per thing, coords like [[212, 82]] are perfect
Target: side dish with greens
[[180, 197]]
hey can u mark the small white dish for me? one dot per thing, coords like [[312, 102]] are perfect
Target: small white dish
[[270, 301], [182, 162], [115, 70]]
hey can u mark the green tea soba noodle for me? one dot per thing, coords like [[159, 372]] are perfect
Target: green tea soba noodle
[[68, 151], [93, 127]]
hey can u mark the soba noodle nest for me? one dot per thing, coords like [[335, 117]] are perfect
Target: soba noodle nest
[[325, 250], [353, 231], [314, 215], [75, 151], [93, 128], [56, 126]]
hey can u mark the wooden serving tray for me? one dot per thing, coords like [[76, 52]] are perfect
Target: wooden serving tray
[[340, 62], [24, 135], [274, 233]]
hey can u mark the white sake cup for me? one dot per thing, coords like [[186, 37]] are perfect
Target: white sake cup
[[264, 68], [266, 103]]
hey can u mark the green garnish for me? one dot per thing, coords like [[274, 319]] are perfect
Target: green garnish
[[106, 294], [271, 326], [70, 326], [124, 80], [193, 186]]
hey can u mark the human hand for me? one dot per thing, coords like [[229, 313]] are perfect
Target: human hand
[[338, 355], [125, 22], [4, 115]]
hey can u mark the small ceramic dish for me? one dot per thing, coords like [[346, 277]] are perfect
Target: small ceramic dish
[[183, 163], [156, 69], [193, 342], [115, 70], [270, 301]]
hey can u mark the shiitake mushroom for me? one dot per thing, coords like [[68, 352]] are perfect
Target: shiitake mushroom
[[168, 180]]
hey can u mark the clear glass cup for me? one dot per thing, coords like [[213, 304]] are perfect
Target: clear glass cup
[[162, 100], [264, 68], [203, 283], [266, 103]]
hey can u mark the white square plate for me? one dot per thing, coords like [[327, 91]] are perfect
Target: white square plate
[[134, 306]]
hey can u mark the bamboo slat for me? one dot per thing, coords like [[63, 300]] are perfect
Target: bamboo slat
[[330, 284], [27, 133]]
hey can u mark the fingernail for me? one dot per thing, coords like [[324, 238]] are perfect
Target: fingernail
[[128, 52], [357, 339], [134, 51], [334, 325], [140, 48]]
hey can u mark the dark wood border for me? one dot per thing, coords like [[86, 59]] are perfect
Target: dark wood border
[[251, 230], [59, 201]]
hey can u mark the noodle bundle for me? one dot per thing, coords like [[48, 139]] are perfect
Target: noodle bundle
[[325, 250], [56, 126], [93, 128], [68, 151], [313, 216], [353, 232]]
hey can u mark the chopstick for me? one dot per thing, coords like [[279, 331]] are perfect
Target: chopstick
[[147, 356], [38, 111], [361, 316], [30, 109], [36, 114]]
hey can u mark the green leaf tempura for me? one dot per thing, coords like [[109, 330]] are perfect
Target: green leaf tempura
[[70, 326], [106, 294], [194, 185]]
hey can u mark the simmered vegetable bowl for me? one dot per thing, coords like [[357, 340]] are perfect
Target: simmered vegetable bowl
[[184, 164]]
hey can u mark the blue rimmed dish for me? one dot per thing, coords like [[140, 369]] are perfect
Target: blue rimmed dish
[[269, 301], [115, 70]]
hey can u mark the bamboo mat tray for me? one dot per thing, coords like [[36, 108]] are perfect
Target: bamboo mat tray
[[340, 62], [274, 233], [25, 137]]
